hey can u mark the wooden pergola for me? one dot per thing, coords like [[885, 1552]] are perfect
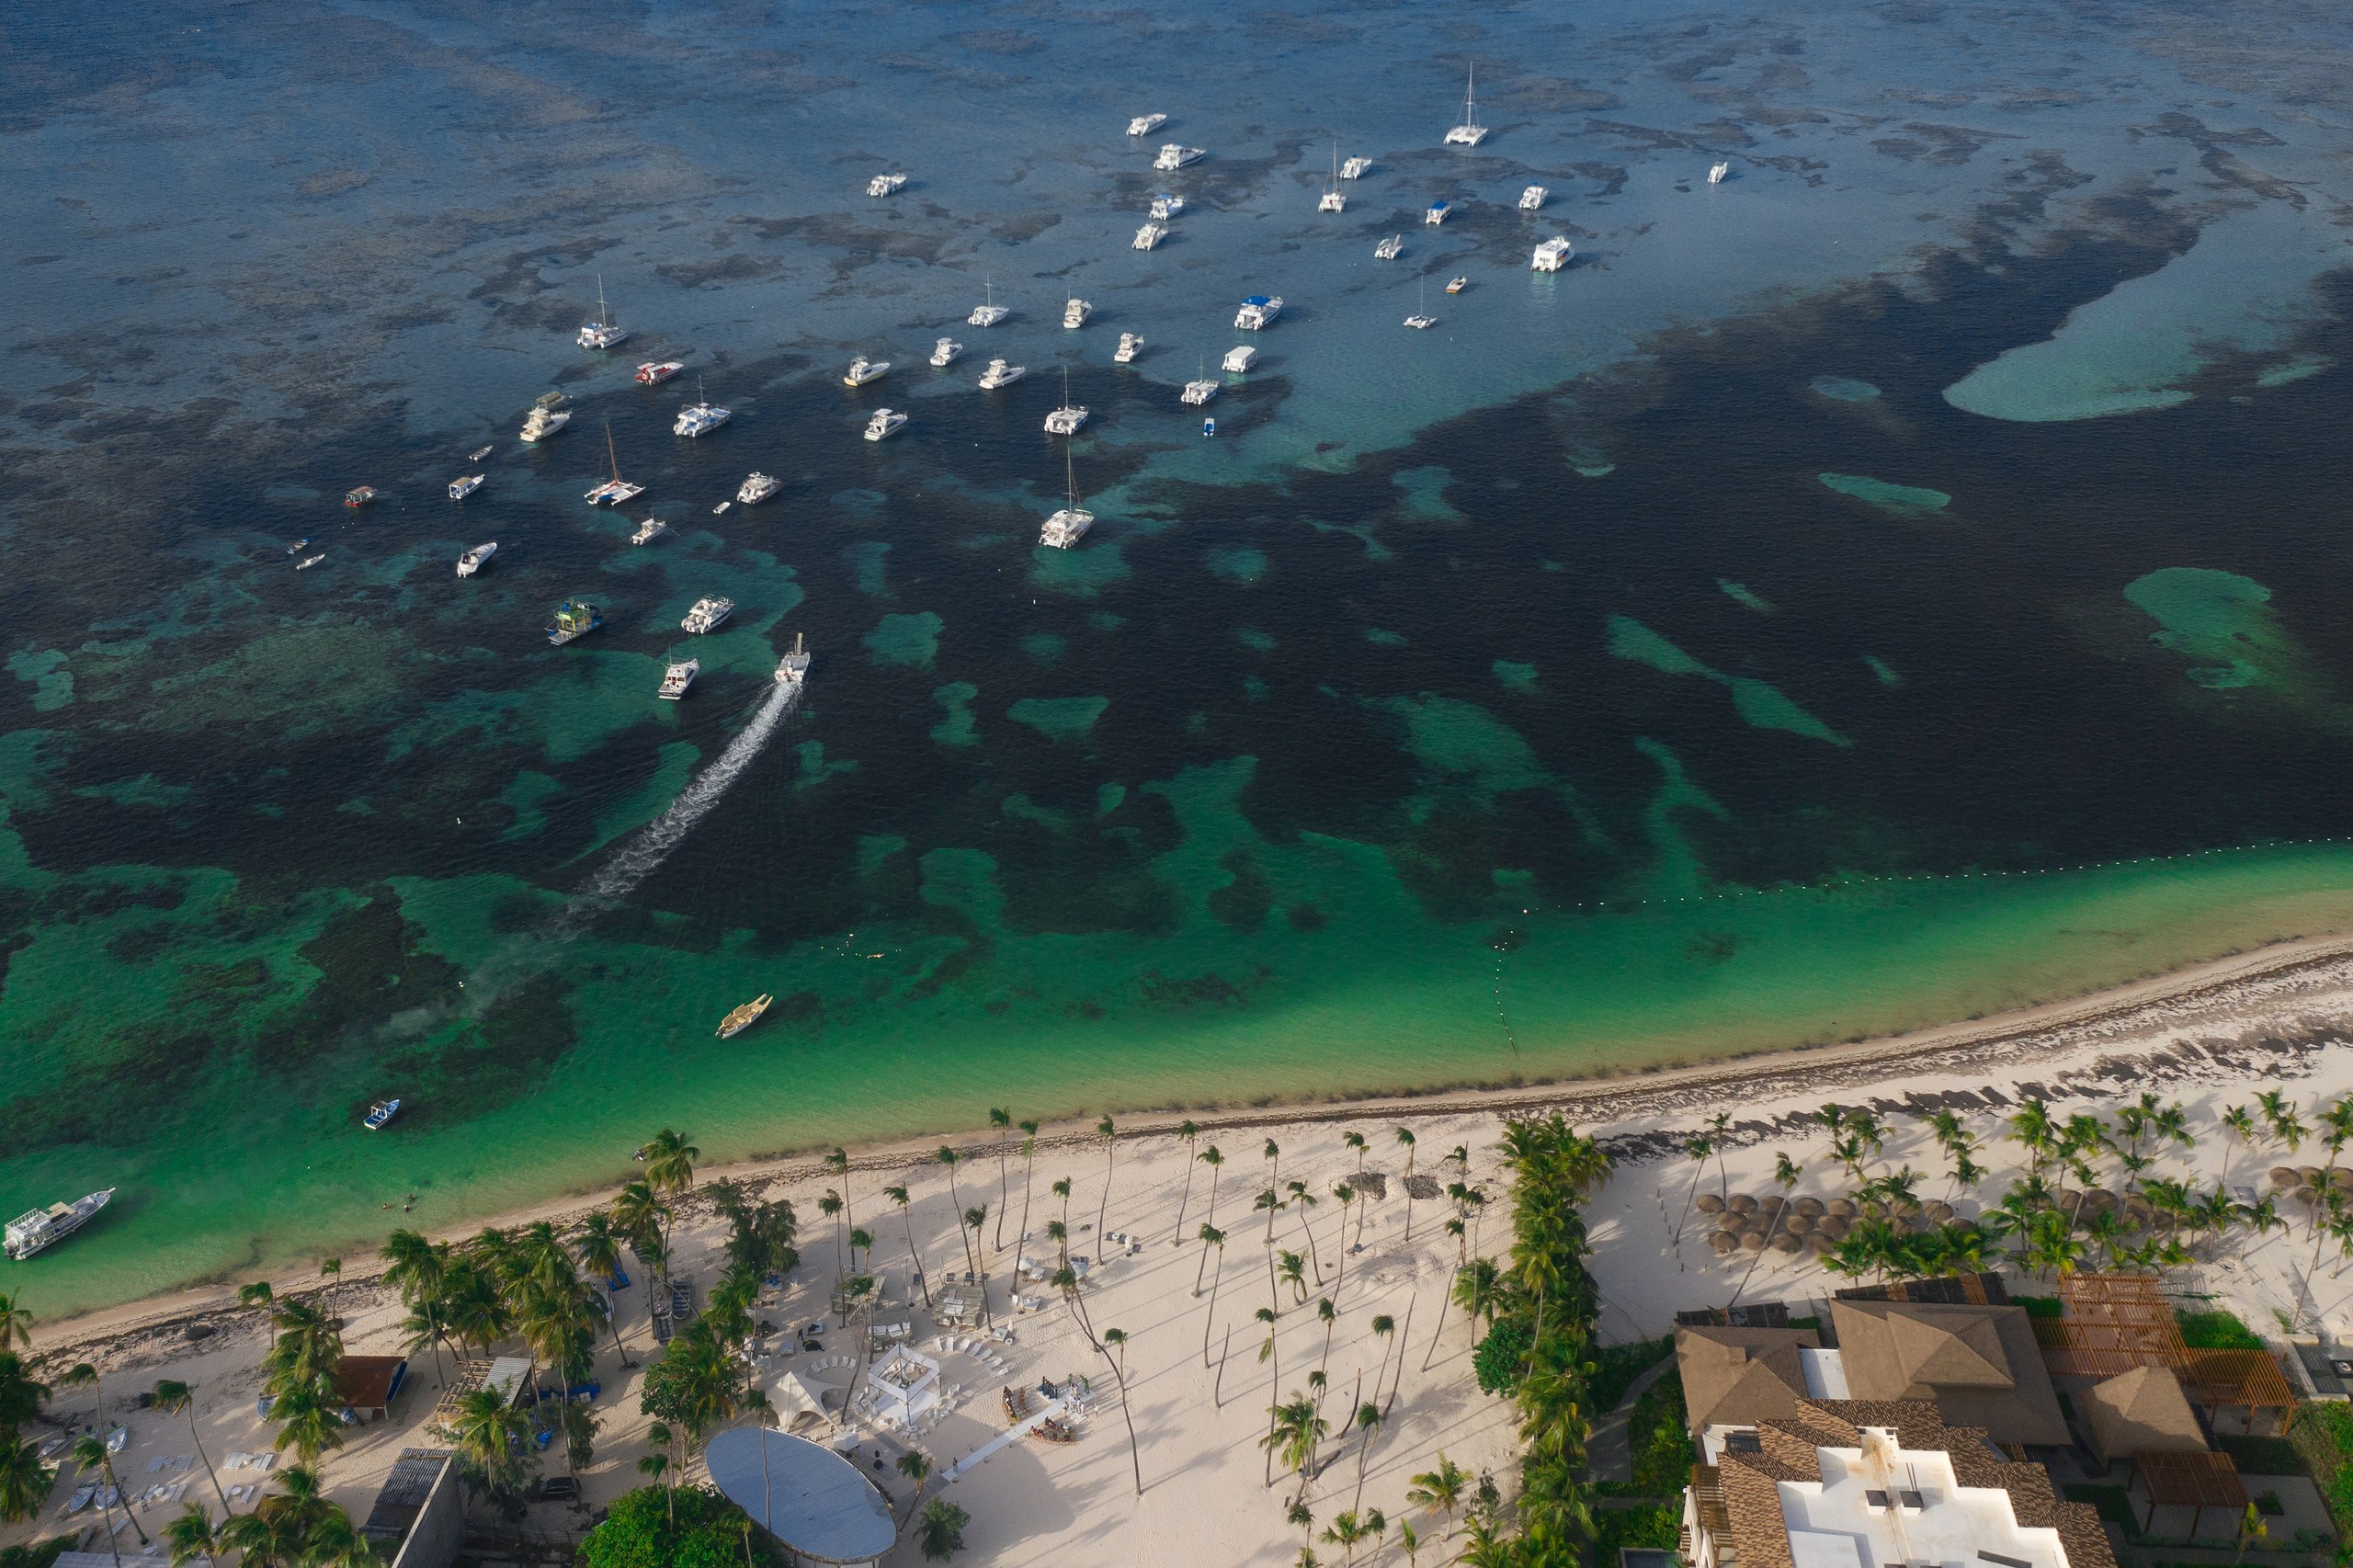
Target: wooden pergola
[[2248, 1379], [2113, 1323], [2197, 1481]]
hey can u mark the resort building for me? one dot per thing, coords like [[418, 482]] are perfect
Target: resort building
[[1863, 1483], [419, 1518], [1735, 1379], [1980, 1366]]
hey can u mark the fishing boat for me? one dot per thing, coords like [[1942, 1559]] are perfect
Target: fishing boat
[[309, 561], [1067, 527], [1532, 199], [1165, 206], [1150, 235], [1000, 374], [1552, 255], [755, 488], [39, 1228], [575, 618], [946, 352], [1176, 156], [477, 454], [1065, 420], [542, 423], [1237, 360], [1455, 284], [1436, 213], [462, 488], [887, 422], [649, 531], [652, 373], [701, 417], [1074, 313], [677, 678], [1145, 124], [1355, 168], [707, 614], [1717, 175], [1130, 345], [616, 489], [743, 1017], [601, 332], [299, 546], [1390, 249], [885, 185], [793, 668], [862, 370], [1258, 312], [380, 1114], [988, 312], [475, 559], [1470, 134], [360, 497]]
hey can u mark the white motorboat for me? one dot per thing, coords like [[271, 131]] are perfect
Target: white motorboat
[[793, 668], [475, 559], [654, 372], [1074, 313], [721, 510], [707, 614], [1355, 168], [1065, 420], [309, 561], [542, 423], [1717, 175], [1436, 213], [885, 185], [1176, 156], [886, 421], [862, 370], [462, 488], [944, 353], [1333, 201], [477, 454], [1390, 248], [601, 332], [1258, 312], [39, 1228], [988, 312], [1532, 199], [380, 1115], [1552, 255], [1199, 389], [1150, 235], [1067, 527], [1165, 206], [1145, 124], [1237, 360], [677, 678], [649, 531], [755, 488], [1470, 134], [1455, 284], [1129, 346], [1000, 374], [616, 489]]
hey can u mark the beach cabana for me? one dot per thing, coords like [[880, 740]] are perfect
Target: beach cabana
[[2140, 1411], [905, 1384], [815, 1503], [793, 1398]]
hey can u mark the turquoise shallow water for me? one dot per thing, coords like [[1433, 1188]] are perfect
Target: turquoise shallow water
[[1808, 616]]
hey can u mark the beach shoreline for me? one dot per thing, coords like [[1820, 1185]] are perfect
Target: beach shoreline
[[2242, 991]]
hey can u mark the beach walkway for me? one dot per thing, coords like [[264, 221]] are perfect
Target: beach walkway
[[1014, 1433]]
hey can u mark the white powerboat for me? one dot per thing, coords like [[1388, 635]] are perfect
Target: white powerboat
[[944, 353], [1390, 248], [1552, 255], [677, 678], [1129, 346], [1165, 206], [462, 488], [601, 332], [474, 560], [380, 1115], [649, 531], [1355, 168], [1436, 213], [886, 421], [793, 668], [1074, 313], [1470, 134], [477, 454], [1455, 284], [862, 370], [1000, 374], [885, 185], [1717, 175], [1532, 199], [1145, 124], [1258, 312], [39, 1228], [988, 312], [1067, 527], [1176, 156], [548, 415], [1237, 360], [1065, 420], [707, 614], [654, 372], [755, 488], [1151, 234], [721, 510], [616, 489], [309, 561]]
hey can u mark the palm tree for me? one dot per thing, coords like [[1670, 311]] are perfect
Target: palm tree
[[1001, 1120], [1699, 1149], [838, 1162], [1191, 1135], [294, 1528], [1211, 1237], [1029, 1167], [1211, 1158], [2238, 1127], [92, 1454], [1443, 1488], [491, 1437], [1410, 1542], [670, 1170], [419, 1271], [20, 1396], [191, 1535], [1344, 1532], [941, 1529], [24, 1479], [642, 1218], [309, 1418], [974, 1218], [1271, 1201], [17, 1320], [1305, 1202], [1110, 1135], [83, 1374], [1331, 1315], [655, 1466], [830, 1205], [1295, 1436], [1292, 1269], [2033, 1130], [1368, 1418], [916, 1467], [600, 1253], [1405, 1136], [947, 1156], [898, 1196], [1346, 1194], [175, 1397]]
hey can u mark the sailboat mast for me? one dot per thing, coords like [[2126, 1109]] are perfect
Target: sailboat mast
[[612, 454]]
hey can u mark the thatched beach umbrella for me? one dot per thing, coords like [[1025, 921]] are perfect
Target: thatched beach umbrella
[[2284, 1176], [1843, 1208], [1741, 1203], [2310, 1175], [1834, 1226], [1811, 1206], [1788, 1245], [1752, 1241], [1940, 1212], [1799, 1224], [1722, 1241], [1707, 1203]]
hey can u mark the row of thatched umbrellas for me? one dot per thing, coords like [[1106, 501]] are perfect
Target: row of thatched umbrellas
[[1752, 1223]]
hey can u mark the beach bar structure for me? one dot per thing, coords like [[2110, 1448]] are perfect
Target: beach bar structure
[[817, 1504], [905, 1384], [2111, 1324], [369, 1384], [514, 1377]]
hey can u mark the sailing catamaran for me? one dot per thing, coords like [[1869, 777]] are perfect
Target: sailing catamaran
[[1067, 527], [1333, 201], [601, 332], [1470, 134], [616, 489]]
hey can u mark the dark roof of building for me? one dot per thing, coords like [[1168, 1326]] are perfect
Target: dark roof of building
[[366, 1383], [1737, 1376], [1979, 1365], [403, 1498]]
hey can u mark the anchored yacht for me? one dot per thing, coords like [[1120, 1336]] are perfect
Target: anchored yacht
[[1067, 527], [1470, 134], [885, 185], [707, 614], [1355, 168], [1716, 176], [1333, 201], [39, 1228], [475, 559], [1065, 420], [1165, 206], [1145, 124], [1390, 248], [542, 423], [1257, 313], [886, 421], [462, 488], [654, 372], [793, 668], [1176, 156], [988, 312], [601, 332], [677, 678], [862, 370], [1237, 360], [1552, 255], [702, 417], [1532, 199], [616, 489], [1074, 313], [944, 353], [1000, 374], [649, 531], [574, 618], [1436, 213], [1200, 391], [1129, 346], [1151, 234], [756, 488]]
